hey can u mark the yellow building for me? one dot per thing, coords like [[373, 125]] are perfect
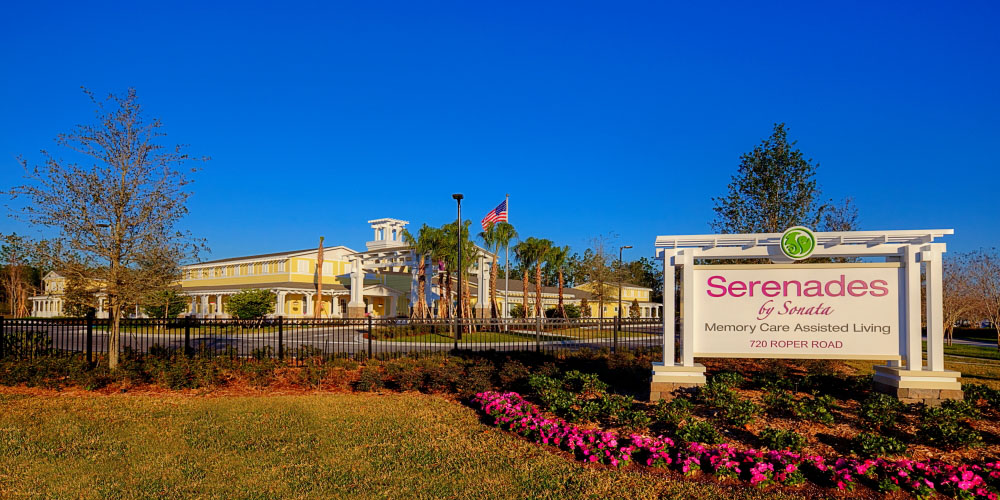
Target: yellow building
[[353, 283], [576, 296], [629, 293], [380, 281], [50, 302]]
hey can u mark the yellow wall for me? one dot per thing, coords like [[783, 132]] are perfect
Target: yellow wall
[[263, 272]]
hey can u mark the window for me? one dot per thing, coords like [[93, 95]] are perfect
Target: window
[[303, 267]]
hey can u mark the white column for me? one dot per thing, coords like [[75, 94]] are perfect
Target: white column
[[391, 313], [687, 309], [308, 306], [669, 347], [279, 308], [204, 305], [482, 285], [218, 305], [335, 306], [429, 282], [931, 255], [414, 281], [914, 347], [357, 283]]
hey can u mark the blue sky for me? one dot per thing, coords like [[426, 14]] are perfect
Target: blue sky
[[597, 118]]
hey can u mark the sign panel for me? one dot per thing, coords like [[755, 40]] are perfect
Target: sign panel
[[819, 311]]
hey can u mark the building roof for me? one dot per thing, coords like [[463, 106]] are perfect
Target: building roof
[[336, 287], [264, 255], [515, 285], [625, 284]]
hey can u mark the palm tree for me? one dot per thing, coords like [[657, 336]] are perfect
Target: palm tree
[[556, 259], [496, 236], [424, 246], [524, 251], [540, 247], [469, 253]]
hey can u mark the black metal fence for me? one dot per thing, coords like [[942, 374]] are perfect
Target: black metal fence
[[296, 339]]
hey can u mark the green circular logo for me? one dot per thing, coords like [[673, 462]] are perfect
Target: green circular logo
[[798, 243]]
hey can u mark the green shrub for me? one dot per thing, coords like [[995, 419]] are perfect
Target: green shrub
[[369, 379], [25, 344], [979, 394], [817, 408], [308, 351], [740, 411], [259, 373], [880, 411], [262, 353], [671, 414], [779, 402], [715, 395], [775, 375], [311, 374], [945, 427], [403, 375], [478, 378], [345, 363], [728, 380], [513, 376], [869, 444], [962, 408], [732, 407], [698, 431], [782, 439], [440, 375], [611, 406], [584, 383], [632, 419]]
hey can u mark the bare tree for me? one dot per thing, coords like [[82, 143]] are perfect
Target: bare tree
[[985, 275], [117, 211], [20, 258], [601, 281], [959, 291]]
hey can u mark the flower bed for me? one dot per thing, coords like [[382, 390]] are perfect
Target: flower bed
[[513, 413]]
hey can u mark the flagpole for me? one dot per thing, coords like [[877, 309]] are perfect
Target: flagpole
[[506, 272]]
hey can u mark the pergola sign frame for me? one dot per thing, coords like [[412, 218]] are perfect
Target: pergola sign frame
[[928, 382]]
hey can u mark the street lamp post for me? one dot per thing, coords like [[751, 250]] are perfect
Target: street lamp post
[[458, 326], [620, 249]]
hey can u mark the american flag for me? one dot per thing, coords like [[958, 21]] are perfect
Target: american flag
[[498, 214]]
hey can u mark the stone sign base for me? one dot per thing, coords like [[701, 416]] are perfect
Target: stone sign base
[[356, 311], [918, 386], [669, 378]]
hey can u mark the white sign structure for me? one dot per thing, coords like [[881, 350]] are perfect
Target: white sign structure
[[855, 310]]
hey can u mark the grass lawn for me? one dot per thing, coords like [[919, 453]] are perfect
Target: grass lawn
[[597, 333], [304, 446], [972, 351], [445, 338], [983, 334], [983, 370]]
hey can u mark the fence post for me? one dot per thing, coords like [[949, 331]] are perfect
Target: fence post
[[369, 337], [538, 333], [187, 336], [281, 338], [3, 340], [618, 325], [90, 338]]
